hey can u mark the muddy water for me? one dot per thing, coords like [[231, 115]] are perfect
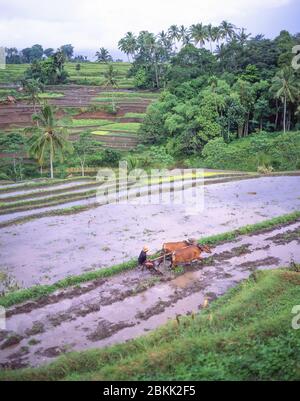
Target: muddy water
[[6, 215], [46, 250], [41, 197], [129, 305], [13, 192]]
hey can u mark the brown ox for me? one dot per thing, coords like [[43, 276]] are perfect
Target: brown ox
[[175, 246], [189, 255]]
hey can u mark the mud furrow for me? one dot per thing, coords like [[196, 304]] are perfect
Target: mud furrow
[[128, 305]]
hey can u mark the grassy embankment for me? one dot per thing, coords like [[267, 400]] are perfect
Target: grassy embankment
[[36, 292], [41, 184], [245, 335]]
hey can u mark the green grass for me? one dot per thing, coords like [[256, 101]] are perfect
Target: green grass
[[36, 292], [130, 127], [105, 99], [135, 115], [244, 335], [51, 95], [93, 74], [129, 95], [113, 134], [101, 133], [86, 122], [89, 74], [12, 73]]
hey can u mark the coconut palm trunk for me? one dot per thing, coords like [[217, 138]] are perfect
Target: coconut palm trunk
[[284, 115], [82, 164], [51, 159]]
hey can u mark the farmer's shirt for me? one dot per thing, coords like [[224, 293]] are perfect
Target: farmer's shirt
[[142, 258]]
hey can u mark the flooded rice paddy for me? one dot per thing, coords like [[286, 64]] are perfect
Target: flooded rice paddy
[[114, 310], [126, 306], [48, 249]]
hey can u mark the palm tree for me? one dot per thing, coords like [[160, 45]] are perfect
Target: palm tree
[[174, 34], [242, 36], [164, 38], [210, 35], [110, 76], [103, 55], [32, 88], [48, 137], [227, 30], [184, 35], [216, 34], [128, 44], [285, 88], [199, 34]]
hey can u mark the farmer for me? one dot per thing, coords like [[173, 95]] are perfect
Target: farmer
[[143, 259]]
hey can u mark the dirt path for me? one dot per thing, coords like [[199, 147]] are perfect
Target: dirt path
[[123, 307]]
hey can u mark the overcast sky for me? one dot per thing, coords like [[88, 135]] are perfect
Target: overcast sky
[[91, 24]]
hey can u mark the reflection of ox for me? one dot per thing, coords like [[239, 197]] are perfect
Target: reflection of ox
[[189, 254]]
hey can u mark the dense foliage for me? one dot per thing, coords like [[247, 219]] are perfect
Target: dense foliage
[[49, 72], [279, 151], [240, 86]]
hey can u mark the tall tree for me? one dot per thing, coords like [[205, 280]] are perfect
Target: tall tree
[[48, 137], [227, 30], [210, 35], [185, 35], [110, 76], [199, 34], [285, 87], [84, 147], [68, 51], [216, 34], [128, 45], [174, 34], [33, 88], [103, 56], [49, 52]]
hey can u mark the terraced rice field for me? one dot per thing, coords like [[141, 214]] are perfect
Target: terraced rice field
[[17, 202], [78, 97], [101, 312], [89, 74], [87, 113], [93, 74]]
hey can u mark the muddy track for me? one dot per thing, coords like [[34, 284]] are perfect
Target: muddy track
[[122, 307]]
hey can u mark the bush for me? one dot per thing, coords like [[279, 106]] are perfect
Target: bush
[[111, 158], [266, 152], [159, 157], [265, 170], [4, 177]]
